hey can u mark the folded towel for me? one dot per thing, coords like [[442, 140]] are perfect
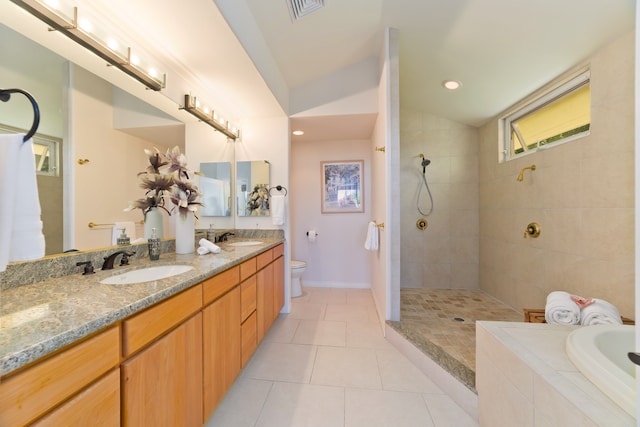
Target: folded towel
[[207, 246], [21, 237], [129, 229], [600, 312], [561, 309], [371, 242], [277, 209]]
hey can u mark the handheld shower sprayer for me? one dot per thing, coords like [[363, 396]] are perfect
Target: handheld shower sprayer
[[423, 183], [425, 162]]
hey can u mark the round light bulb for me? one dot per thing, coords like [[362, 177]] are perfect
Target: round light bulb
[[451, 84], [85, 25], [113, 44]]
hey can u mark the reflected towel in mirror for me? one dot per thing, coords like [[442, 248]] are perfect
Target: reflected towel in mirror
[[21, 237]]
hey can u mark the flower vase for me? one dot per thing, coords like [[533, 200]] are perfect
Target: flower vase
[[185, 233], [153, 219]]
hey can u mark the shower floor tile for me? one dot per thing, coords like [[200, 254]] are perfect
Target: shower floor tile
[[441, 323]]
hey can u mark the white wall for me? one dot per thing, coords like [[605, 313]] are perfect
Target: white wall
[[337, 258], [104, 186]]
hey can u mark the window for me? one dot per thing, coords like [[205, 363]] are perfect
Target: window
[[561, 114], [46, 150]]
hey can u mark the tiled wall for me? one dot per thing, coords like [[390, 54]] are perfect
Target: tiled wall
[[445, 255], [582, 195]]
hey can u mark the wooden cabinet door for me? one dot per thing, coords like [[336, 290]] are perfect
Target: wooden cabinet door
[[278, 286], [34, 391], [162, 385], [98, 405], [264, 308], [222, 343]]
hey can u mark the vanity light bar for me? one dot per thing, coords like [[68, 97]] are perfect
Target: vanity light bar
[[77, 34], [209, 117]]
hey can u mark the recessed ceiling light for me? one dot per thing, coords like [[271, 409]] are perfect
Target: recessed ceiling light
[[451, 84], [298, 132]]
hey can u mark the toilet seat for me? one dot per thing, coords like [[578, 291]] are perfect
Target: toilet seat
[[297, 264]]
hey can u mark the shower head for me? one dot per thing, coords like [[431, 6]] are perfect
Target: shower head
[[425, 162]]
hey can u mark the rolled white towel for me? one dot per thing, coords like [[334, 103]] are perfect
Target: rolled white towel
[[600, 312], [561, 309], [207, 247]]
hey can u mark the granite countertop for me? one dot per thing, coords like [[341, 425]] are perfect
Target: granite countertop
[[40, 318]]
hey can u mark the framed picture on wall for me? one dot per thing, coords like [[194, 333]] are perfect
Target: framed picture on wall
[[342, 190]]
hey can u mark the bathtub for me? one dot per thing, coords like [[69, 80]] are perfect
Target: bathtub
[[600, 353]]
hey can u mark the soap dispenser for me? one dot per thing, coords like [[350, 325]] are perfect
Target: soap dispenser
[[211, 234], [154, 246], [123, 239]]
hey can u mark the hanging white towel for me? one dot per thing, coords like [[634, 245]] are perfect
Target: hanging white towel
[[21, 237], [561, 309], [129, 229], [371, 242], [277, 209], [600, 312]]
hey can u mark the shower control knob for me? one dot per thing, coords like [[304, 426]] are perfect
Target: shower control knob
[[422, 224], [532, 230]]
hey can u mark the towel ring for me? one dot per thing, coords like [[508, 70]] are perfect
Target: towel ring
[[279, 188], [5, 95]]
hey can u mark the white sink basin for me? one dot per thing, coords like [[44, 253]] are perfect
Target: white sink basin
[[246, 243], [148, 274]]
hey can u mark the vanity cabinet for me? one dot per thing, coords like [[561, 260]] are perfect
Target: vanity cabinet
[[221, 337], [162, 381], [170, 364], [278, 280], [60, 384], [248, 305]]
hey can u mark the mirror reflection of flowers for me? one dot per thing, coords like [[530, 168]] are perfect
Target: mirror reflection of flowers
[[167, 173]]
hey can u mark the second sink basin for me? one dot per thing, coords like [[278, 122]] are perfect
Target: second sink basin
[[146, 274], [246, 243]]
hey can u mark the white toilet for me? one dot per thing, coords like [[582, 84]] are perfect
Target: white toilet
[[297, 268]]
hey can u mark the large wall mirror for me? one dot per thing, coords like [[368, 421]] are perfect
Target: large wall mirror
[[252, 188], [101, 133], [215, 186]]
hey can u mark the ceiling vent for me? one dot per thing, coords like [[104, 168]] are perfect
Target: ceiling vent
[[302, 8]]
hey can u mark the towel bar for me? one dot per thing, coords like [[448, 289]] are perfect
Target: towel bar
[[94, 225]]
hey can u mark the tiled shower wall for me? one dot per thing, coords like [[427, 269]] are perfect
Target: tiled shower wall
[[445, 255], [581, 194]]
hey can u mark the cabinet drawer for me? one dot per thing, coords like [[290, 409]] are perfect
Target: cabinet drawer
[[247, 297], [27, 395], [264, 259], [249, 337], [100, 403], [278, 251], [220, 284], [247, 268], [143, 328]]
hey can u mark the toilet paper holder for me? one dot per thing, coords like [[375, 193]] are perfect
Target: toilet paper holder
[[315, 233]]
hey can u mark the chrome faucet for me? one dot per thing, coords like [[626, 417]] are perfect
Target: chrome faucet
[[223, 237], [108, 260]]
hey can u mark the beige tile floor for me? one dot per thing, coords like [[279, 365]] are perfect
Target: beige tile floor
[[327, 364]]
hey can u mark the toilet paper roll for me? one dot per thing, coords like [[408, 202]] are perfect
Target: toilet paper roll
[[312, 235]]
